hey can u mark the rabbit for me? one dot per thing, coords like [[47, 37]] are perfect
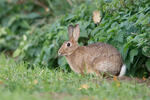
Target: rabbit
[[95, 58]]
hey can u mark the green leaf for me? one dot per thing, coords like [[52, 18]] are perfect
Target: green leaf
[[32, 15], [62, 61], [133, 53], [148, 64], [83, 31], [119, 37], [95, 30], [146, 51], [127, 62], [25, 24], [16, 53], [70, 16], [124, 51]]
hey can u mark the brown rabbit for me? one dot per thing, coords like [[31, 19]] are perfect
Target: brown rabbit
[[94, 58]]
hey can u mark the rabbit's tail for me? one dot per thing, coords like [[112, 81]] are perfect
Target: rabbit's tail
[[123, 71]]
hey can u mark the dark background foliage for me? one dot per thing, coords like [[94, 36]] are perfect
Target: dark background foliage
[[34, 30]]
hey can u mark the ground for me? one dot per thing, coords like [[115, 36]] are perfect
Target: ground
[[19, 82]]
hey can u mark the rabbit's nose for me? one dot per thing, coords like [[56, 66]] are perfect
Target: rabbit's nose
[[59, 53]]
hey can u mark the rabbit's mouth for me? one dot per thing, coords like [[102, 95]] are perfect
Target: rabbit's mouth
[[64, 54], [61, 54]]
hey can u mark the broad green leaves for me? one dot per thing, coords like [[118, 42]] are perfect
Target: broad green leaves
[[21, 16], [148, 64], [133, 53], [124, 24]]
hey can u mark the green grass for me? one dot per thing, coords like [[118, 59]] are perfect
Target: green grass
[[19, 83]]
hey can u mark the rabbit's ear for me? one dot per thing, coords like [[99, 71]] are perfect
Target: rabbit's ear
[[76, 32], [70, 31]]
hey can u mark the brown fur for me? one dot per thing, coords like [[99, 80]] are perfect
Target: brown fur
[[94, 58]]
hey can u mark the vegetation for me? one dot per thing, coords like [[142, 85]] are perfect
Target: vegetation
[[124, 24], [17, 81], [32, 31], [17, 17]]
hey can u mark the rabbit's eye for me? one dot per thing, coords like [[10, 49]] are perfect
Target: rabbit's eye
[[68, 44]]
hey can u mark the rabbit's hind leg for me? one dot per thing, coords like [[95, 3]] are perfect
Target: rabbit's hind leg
[[104, 66]]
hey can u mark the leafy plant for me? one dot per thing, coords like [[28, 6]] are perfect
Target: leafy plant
[[124, 24], [19, 16]]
